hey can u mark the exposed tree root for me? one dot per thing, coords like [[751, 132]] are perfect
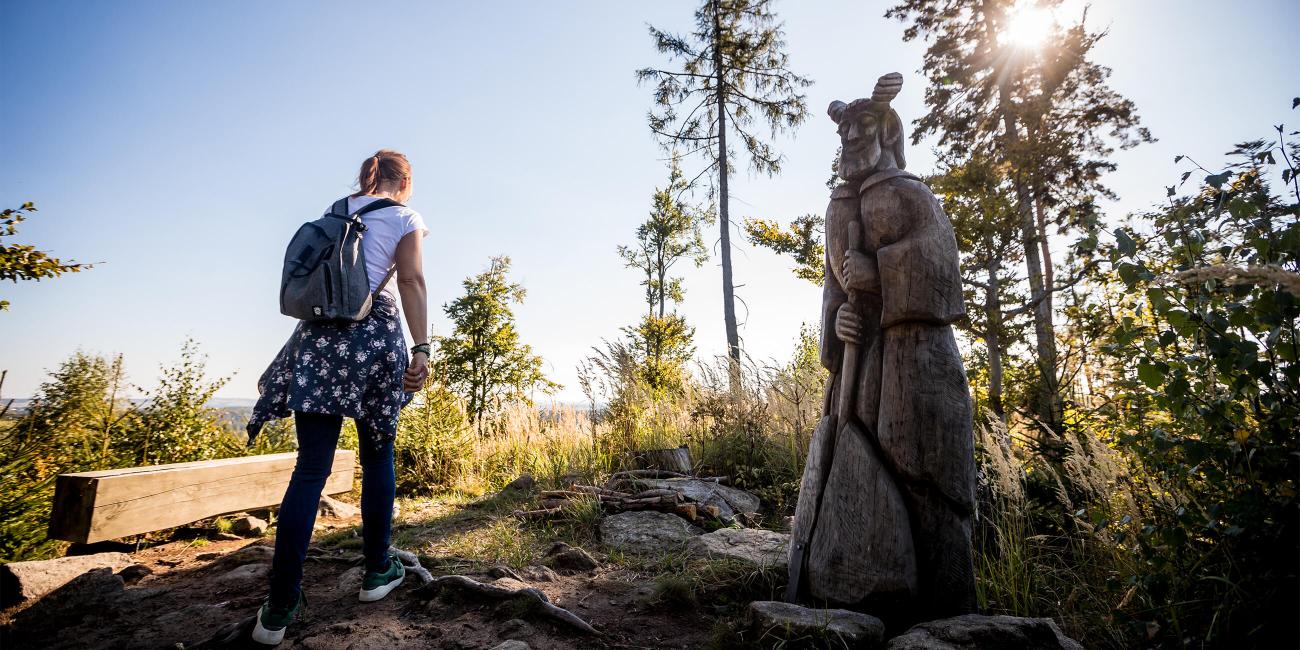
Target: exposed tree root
[[412, 563], [494, 592]]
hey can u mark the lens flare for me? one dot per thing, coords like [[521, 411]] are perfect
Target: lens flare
[[1027, 25]]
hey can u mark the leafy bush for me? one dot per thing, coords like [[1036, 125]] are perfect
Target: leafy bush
[[1214, 416], [80, 420]]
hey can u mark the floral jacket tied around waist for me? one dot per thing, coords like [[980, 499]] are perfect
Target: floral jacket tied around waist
[[352, 369]]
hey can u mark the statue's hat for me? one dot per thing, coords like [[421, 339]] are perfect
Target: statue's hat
[[887, 88]]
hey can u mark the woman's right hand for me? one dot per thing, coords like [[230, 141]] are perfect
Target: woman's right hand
[[848, 325], [417, 372]]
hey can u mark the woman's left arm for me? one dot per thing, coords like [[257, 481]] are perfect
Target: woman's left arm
[[410, 285]]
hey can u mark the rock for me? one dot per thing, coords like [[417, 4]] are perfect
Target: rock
[[397, 509], [644, 596], [524, 483], [516, 629], [646, 531], [513, 644], [763, 548], [247, 573], [225, 537], [503, 571], [249, 526], [784, 620], [337, 509], [730, 501], [250, 554], [350, 580], [134, 573], [973, 631], [136, 594], [537, 573], [23, 581], [204, 557], [566, 558], [91, 593], [188, 616]]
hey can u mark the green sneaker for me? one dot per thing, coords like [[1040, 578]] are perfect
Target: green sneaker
[[272, 621], [376, 585]]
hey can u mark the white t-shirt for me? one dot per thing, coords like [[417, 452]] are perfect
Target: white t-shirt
[[384, 228]]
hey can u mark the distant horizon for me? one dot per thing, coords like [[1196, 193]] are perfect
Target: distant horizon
[[21, 403]]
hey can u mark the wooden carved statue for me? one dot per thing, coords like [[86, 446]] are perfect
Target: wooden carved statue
[[883, 522]]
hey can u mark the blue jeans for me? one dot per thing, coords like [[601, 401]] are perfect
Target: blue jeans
[[318, 435]]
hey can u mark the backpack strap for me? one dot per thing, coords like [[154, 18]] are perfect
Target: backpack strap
[[376, 205], [340, 208], [383, 282]]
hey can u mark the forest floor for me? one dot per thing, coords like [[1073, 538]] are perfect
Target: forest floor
[[200, 585]]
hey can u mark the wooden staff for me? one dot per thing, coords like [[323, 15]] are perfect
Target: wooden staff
[[839, 419], [849, 366]]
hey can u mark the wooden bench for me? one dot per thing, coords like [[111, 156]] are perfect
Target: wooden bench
[[95, 506]]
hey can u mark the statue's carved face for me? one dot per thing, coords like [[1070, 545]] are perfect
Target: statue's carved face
[[860, 139], [864, 133]]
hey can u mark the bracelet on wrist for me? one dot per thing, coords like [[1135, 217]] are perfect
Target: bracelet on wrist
[[423, 347]]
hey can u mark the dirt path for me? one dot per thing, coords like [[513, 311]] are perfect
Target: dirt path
[[197, 589]]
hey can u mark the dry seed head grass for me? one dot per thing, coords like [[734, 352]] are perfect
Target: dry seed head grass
[[1268, 274], [1092, 465], [1005, 477]]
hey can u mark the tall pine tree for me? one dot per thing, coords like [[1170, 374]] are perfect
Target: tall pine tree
[[733, 81], [1045, 114]]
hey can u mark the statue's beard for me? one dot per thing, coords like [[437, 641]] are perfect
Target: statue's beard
[[859, 161]]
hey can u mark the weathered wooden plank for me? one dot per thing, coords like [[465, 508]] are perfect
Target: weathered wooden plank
[[95, 506]]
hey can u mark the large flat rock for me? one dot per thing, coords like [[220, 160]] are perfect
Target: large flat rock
[[88, 594], [646, 532], [330, 507], [730, 501], [775, 621], [23, 581], [765, 549], [975, 632]]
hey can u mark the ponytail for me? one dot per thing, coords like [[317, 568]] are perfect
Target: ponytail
[[386, 166]]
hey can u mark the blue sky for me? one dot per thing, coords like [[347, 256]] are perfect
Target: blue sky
[[180, 145]]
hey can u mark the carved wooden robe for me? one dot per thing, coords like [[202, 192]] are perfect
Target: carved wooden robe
[[883, 519]]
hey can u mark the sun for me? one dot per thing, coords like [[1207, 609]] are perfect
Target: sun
[[1027, 25]]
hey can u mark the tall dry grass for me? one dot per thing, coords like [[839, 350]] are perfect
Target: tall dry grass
[[1051, 539], [756, 432]]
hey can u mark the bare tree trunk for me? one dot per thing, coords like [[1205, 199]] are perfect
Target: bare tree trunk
[[1049, 272], [1044, 335], [1043, 322], [993, 334], [724, 221]]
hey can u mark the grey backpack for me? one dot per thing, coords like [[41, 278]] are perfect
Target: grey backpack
[[324, 276]]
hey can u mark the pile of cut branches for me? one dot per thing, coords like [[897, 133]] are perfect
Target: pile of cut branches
[[625, 493]]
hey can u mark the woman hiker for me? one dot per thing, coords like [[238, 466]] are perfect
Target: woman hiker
[[333, 369]]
